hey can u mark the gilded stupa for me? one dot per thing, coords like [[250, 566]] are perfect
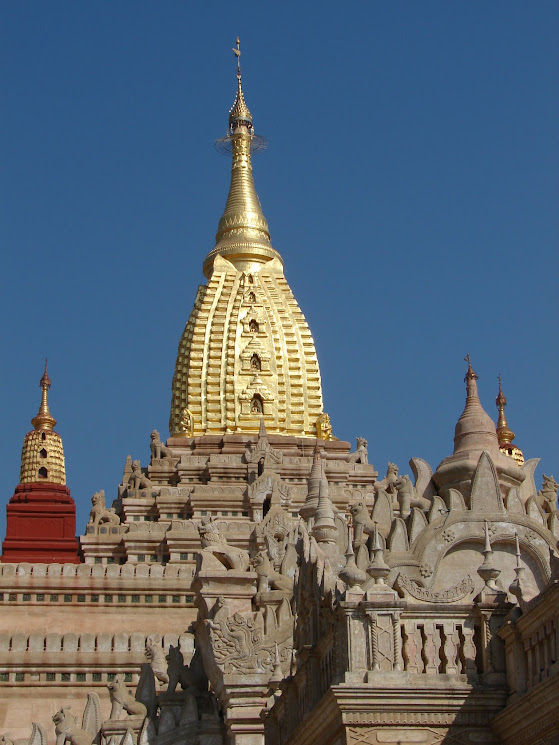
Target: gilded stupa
[[246, 351], [42, 454]]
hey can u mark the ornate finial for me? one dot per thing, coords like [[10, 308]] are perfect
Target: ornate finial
[[239, 113], [488, 571], [378, 568], [237, 53], [44, 419], [505, 435], [470, 374]]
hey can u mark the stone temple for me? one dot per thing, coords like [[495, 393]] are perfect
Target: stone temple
[[256, 581]]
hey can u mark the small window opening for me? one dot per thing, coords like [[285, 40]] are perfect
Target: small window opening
[[43, 436], [261, 463], [256, 406], [251, 297], [253, 327], [255, 363], [43, 453], [250, 279], [43, 473]]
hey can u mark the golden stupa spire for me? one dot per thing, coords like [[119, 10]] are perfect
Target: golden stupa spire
[[504, 434], [44, 419], [243, 237]]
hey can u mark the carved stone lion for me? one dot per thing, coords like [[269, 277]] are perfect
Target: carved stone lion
[[138, 480], [215, 544], [268, 576], [363, 526], [121, 698], [158, 449], [547, 497], [100, 513], [388, 482], [67, 729], [156, 658], [176, 669], [407, 497], [361, 455]]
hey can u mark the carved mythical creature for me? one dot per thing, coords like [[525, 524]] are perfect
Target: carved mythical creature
[[361, 455], [176, 669], [388, 482], [363, 526], [158, 449], [407, 496], [67, 729], [268, 576], [121, 698], [100, 513], [186, 423], [548, 494], [138, 480], [324, 428], [156, 658], [214, 543], [236, 641]]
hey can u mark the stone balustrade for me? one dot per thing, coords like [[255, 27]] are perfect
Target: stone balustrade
[[532, 643], [70, 659], [118, 571]]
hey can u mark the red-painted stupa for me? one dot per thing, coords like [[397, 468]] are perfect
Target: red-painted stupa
[[41, 515]]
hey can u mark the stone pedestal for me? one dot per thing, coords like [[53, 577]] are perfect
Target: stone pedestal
[[41, 525]]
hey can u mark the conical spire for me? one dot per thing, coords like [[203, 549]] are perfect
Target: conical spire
[[44, 419], [242, 236], [475, 430], [504, 434]]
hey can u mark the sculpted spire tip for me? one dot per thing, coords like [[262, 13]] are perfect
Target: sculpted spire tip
[[505, 435], [44, 419]]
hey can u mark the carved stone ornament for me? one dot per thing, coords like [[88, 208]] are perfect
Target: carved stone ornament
[[239, 643], [216, 553], [99, 513], [186, 423], [122, 699], [138, 480], [158, 450], [324, 428], [67, 728], [454, 593]]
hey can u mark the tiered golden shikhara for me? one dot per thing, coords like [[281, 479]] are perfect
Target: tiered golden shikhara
[[247, 351], [42, 454]]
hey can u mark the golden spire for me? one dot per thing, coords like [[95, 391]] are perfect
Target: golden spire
[[44, 419], [504, 434], [243, 237]]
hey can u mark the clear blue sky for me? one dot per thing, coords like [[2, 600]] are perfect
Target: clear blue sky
[[411, 186]]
